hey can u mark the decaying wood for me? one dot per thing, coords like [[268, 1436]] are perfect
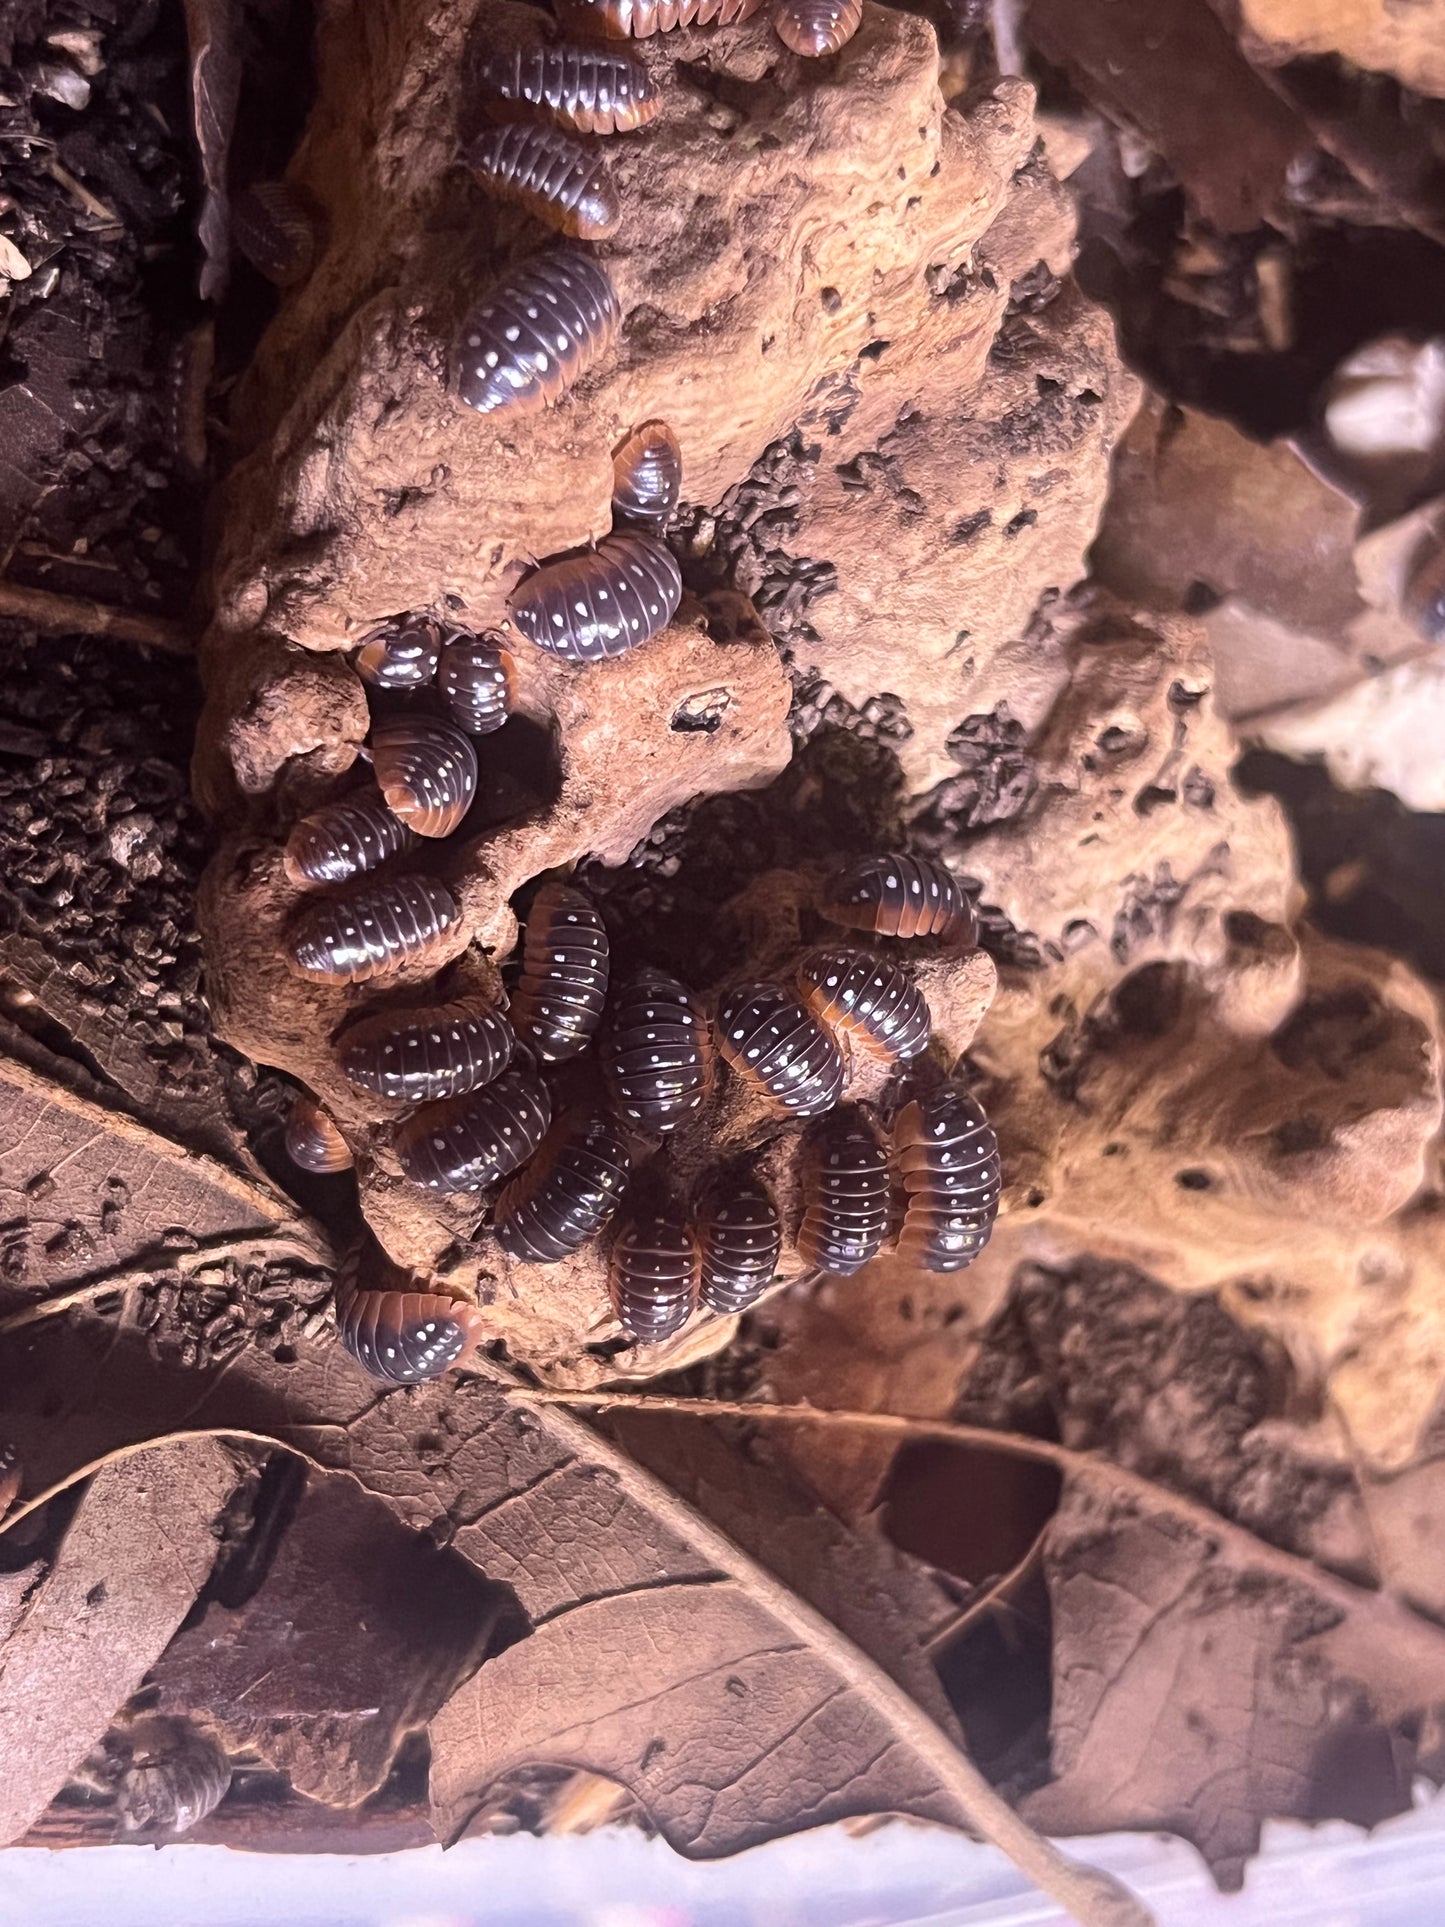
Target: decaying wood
[[75, 616]]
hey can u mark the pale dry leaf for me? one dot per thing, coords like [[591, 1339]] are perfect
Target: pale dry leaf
[[140, 1549], [213, 29]]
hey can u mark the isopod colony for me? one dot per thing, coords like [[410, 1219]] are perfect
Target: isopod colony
[[488, 1083]]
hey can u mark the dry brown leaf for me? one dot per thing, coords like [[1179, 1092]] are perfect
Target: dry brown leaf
[[213, 28], [128, 1572]]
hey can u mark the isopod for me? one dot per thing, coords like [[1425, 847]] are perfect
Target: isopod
[[655, 1051], [345, 839], [867, 1000], [554, 177], [652, 1279], [313, 1138], [427, 771], [740, 1237], [766, 1036], [559, 1000], [402, 1336], [174, 1777], [537, 332], [420, 1056], [647, 474], [400, 655], [637, 19], [581, 87], [568, 1192], [466, 1143], [477, 680], [948, 1157], [588, 607], [846, 1189], [901, 896], [276, 228], [816, 27], [374, 932]]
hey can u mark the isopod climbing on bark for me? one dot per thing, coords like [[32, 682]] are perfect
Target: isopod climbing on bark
[[766, 1036], [554, 177], [901, 896], [588, 607], [313, 1138], [374, 932], [583, 88], [816, 27], [345, 839], [468, 1142], [948, 1158], [740, 1238], [655, 1051], [868, 1000], [846, 1188], [476, 678], [568, 1192], [637, 19], [537, 332], [419, 1056], [647, 474], [559, 1001], [427, 771], [652, 1278], [400, 655]]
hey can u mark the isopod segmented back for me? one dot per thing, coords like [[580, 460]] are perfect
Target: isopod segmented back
[[426, 770], [392, 1325], [559, 1000], [583, 88], [419, 1056], [870, 1000], [846, 1191], [638, 19], [816, 27], [537, 332], [652, 1278], [477, 681], [901, 896], [313, 1138], [948, 1158], [554, 177], [467, 1143], [400, 654], [373, 932], [740, 1239], [345, 839], [602, 603], [647, 475], [766, 1036], [568, 1192], [655, 1051]]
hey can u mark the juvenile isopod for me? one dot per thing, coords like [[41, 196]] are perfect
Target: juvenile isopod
[[846, 1190], [583, 88], [477, 680], [419, 1056], [400, 655], [559, 1001], [554, 177], [398, 1334], [588, 607], [655, 1051], [868, 1000], [766, 1036], [901, 896], [740, 1238], [637, 19], [345, 839], [647, 475], [948, 1157], [652, 1278], [569, 1190], [173, 1778], [467, 1143], [537, 332], [816, 27], [278, 230], [313, 1138], [373, 932], [427, 771]]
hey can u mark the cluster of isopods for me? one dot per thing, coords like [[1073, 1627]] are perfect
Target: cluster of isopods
[[477, 1077]]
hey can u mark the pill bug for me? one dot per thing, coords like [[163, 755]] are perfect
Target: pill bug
[[313, 1138], [588, 607], [466, 1143], [373, 932], [277, 229], [647, 474], [868, 1000], [537, 332], [568, 1191], [427, 771], [655, 1051], [477, 680], [583, 88], [637, 19], [816, 27], [398, 1334], [345, 839], [740, 1238], [766, 1036], [560, 998], [420, 1056], [901, 896], [554, 177], [947, 1155], [173, 1777], [652, 1278], [400, 655], [846, 1191]]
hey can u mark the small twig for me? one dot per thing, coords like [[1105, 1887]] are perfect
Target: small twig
[[986, 1602], [92, 203], [75, 615]]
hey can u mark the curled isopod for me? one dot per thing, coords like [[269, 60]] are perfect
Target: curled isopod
[[420, 1056], [767, 1037], [647, 475], [477, 681], [655, 1051], [313, 1138], [467, 1143], [652, 1278], [816, 27], [602, 603], [846, 1191], [948, 1157], [871, 1001], [638, 19], [569, 1190], [373, 932], [345, 839], [584, 88], [537, 332], [426, 769], [901, 896], [740, 1238], [560, 998], [400, 655], [552, 175]]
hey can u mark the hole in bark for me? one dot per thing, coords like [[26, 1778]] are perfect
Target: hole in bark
[[873, 352], [831, 299], [1025, 519], [1300, 1134], [1149, 1002], [1200, 598], [1194, 1180]]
